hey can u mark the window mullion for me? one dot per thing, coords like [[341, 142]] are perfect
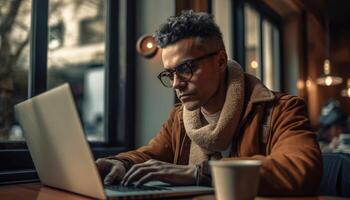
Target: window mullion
[[129, 111], [261, 48], [238, 32], [111, 71], [38, 48]]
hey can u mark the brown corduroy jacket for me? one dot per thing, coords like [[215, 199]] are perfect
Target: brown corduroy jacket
[[273, 128]]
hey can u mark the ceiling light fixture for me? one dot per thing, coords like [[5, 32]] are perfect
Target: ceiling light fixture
[[327, 79]]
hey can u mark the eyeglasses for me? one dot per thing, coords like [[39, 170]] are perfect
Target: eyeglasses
[[184, 71]]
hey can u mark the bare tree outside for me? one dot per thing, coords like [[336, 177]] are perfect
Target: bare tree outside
[[14, 59], [75, 55]]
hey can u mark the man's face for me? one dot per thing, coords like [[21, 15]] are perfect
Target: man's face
[[206, 78]]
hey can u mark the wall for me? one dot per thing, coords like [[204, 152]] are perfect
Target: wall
[[316, 94], [221, 9], [292, 47], [153, 101]]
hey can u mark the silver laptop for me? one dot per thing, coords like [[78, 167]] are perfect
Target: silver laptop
[[62, 156]]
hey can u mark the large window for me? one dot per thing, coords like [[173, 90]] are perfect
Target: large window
[[260, 53], [44, 43], [262, 47], [252, 42], [76, 53], [271, 44]]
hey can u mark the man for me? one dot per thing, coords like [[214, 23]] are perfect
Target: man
[[224, 114]]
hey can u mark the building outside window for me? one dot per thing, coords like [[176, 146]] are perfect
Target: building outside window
[[76, 55], [76, 47]]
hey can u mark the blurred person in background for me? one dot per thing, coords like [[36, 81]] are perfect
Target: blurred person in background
[[332, 122]]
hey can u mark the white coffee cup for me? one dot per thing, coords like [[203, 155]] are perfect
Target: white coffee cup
[[236, 179]]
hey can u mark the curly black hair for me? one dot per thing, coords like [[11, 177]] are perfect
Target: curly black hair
[[189, 24]]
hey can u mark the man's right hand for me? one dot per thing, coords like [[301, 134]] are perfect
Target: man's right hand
[[111, 171]]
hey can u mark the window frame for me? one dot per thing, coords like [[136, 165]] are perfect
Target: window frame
[[265, 13], [17, 165]]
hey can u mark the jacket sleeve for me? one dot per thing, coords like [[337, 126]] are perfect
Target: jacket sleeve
[[293, 165], [160, 147]]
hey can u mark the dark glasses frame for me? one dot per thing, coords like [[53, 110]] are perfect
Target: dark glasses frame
[[186, 64]]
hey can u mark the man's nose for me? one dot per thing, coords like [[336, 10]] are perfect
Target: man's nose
[[177, 82]]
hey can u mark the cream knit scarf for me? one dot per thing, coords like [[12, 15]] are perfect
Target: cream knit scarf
[[208, 139]]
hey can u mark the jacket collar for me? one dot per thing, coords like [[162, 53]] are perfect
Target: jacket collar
[[256, 93]]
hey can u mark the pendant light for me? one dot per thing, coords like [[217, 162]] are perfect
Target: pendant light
[[346, 92], [327, 79]]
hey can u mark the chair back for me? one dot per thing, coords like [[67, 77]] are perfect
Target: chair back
[[336, 175]]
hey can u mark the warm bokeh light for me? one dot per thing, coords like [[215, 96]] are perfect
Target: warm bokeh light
[[308, 83], [254, 64], [149, 45], [326, 67], [328, 80], [146, 46], [346, 92], [300, 84]]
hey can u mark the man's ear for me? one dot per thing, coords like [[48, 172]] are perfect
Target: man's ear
[[222, 56]]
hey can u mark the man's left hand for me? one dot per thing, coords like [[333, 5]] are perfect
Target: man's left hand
[[155, 170]]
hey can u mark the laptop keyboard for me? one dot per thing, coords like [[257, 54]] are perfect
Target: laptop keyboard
[[133, 188]]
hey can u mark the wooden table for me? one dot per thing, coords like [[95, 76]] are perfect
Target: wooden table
[[36, 191]]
